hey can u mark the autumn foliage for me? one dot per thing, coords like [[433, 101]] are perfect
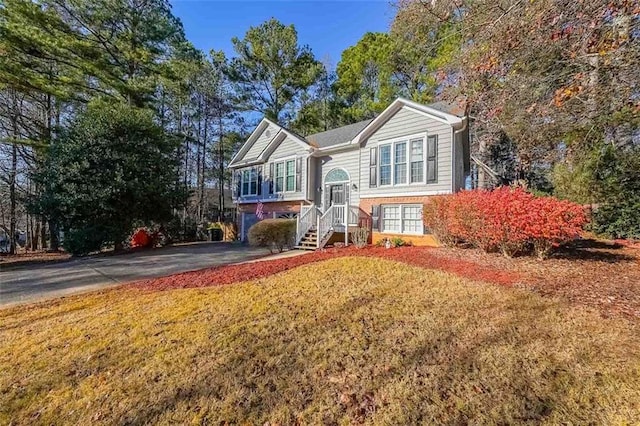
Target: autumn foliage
[[510, 220], [141, 238]]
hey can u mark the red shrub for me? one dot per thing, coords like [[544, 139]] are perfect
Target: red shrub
[[507, 219], [141, 238]]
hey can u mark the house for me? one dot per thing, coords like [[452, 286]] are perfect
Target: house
[[376, 173]]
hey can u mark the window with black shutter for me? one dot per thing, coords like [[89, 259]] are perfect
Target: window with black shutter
[[432, 158]]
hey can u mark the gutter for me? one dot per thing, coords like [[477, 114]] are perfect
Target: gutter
[[465, 122]]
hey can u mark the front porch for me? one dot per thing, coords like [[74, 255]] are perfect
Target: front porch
[[317, 228]]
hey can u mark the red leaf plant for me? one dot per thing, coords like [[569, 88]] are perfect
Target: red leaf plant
[[510, 220]]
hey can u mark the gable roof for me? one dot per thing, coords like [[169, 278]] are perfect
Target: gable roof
[[338, 135], [351, 134], [427, 110]]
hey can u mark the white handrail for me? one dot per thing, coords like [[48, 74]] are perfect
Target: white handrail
[[306, 219], [354, 215], [325, 223]]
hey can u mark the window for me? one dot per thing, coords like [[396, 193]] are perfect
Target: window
[[404, 162], [412, 219], [417, 161], [249, 182], [279, 177], [402, 219], [385, 165], [291, 175], [391, 218], [400, 170], [285, 176]]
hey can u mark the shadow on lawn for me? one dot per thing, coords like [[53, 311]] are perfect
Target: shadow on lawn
[[593, 250]]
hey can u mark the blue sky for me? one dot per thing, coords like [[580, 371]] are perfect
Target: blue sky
[[328, 27]]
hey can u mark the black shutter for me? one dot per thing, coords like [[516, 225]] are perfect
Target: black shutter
[[298, 174], [373, 167], [375, 218], [432, 159], [270, 178], [237, 183], [259, 172]]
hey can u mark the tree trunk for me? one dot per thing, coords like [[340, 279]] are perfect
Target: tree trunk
[[43, 233], [221, 171], [12, 176]]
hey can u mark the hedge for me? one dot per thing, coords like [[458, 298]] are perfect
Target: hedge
[[273, 233], [510, 220]]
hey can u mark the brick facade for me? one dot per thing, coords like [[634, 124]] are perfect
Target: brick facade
[[367, 203], [417, 240], [277, 207]]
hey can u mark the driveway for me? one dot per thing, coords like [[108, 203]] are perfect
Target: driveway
[[39, 282]]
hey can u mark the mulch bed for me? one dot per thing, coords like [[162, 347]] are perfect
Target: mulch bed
[[601, 275], [418, 256], [598, 274]]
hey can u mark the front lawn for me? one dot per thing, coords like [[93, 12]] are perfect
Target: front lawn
[[345, 340]]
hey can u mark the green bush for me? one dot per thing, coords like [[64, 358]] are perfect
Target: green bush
[[276, 234], [85, 240]]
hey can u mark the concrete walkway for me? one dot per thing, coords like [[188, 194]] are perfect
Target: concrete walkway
[[41, 282]]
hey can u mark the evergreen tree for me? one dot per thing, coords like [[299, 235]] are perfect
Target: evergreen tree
[[272, 70], [113, 169]]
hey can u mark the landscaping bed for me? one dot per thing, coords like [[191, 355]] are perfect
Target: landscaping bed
[[419, 256], [344, 341], [598, 274]]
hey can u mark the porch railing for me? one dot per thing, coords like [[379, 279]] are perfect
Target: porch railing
[[333, 217], [354, 215], [306, 220]]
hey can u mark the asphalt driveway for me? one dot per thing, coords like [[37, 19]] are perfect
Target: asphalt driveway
[[39, 282]]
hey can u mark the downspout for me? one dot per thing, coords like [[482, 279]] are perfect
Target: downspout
[[465, 121]]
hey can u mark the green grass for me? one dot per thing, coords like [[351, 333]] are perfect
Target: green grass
[[344, 341]]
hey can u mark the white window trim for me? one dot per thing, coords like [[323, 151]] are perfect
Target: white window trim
[[392, 142], [242, 181], [401, 231], [283, 161], [423, 139]]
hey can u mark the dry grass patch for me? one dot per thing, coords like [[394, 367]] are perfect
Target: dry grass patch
[[344, 341]]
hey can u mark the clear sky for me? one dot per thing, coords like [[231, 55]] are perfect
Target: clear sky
[[328, 27]]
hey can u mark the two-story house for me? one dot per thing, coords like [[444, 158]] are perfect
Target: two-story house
[[376, 173]]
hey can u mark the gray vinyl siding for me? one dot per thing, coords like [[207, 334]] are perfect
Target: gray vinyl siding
[[409, 123], [287, 149], [347, 160], [261, 143]]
